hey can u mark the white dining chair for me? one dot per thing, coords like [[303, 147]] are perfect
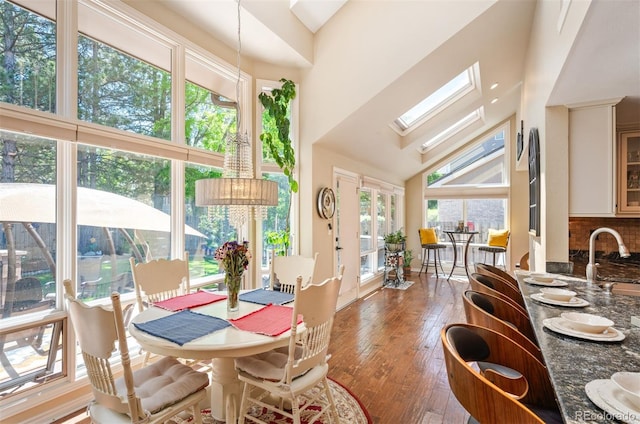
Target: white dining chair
[[159, 279], [296, 373], [152, 394], [285, 269]]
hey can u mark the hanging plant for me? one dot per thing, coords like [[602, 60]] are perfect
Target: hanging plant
[[276, 105]]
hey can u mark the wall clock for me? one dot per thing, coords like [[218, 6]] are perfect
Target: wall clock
[[326, 203]]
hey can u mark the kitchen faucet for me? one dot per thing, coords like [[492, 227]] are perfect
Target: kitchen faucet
[[592, 271]]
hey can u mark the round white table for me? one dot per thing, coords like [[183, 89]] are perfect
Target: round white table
[[220, 346]]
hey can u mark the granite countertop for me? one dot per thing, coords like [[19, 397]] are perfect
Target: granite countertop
[[612, 267], [573, 362]]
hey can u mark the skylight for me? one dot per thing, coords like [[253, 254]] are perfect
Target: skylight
[[438, 100], [454, 129]]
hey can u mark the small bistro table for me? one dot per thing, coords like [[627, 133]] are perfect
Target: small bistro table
[[460, 237]]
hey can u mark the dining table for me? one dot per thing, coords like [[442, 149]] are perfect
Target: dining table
[[580, 366], [221, 346]]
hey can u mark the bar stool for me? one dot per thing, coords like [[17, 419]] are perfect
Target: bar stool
[[429, 242], [497, 243]]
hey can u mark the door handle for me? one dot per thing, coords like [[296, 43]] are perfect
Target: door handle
[[338, 248]]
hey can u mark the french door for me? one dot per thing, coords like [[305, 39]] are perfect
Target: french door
[[347, 232]]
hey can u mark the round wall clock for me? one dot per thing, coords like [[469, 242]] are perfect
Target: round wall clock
[[326, 203]]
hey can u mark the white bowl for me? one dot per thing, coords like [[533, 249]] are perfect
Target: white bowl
[[587, 323], [545, 278], [557, 294], [629, 383]]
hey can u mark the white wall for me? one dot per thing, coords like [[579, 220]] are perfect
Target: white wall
[[549, 46]]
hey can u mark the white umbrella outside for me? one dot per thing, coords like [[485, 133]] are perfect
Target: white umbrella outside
[[26, 202]]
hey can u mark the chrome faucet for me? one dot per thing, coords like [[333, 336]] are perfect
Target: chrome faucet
[[592, 271]]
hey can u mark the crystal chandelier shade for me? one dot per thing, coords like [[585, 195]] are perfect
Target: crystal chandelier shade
[[238, 190]]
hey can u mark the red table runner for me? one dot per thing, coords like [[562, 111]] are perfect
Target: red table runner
[[272, 320], [190, 300]]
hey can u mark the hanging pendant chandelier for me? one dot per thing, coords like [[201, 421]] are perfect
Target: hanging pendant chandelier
[[238, 190]]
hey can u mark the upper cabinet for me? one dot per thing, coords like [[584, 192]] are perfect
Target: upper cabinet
[[629, 196], [592, 160]]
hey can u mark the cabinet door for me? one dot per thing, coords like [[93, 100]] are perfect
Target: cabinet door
[[629, 201], [592, 161]]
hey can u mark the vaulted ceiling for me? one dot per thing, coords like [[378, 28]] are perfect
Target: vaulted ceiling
[[418, 46]]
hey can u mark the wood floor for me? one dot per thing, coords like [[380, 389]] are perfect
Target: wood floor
[[386, 349]]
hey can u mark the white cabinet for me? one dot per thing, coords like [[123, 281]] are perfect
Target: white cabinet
[[629, 199], [592, 160]]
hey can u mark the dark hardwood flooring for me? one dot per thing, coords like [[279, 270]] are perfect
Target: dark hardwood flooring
[[386, 349]]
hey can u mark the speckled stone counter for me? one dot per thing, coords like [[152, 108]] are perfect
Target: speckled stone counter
[[572, 362], [611, 268]]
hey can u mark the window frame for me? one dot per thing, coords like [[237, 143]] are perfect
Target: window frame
[[67, 130]]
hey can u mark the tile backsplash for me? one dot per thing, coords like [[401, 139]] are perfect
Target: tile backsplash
[[580, 231]]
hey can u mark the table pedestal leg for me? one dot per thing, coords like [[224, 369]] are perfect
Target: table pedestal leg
[[226, 390], [466, 254], [455, 254]]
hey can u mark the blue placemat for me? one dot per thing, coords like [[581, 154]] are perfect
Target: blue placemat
[[265, 297], [182, 327]]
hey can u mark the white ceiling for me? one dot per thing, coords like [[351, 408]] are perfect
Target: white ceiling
[[604, 63]]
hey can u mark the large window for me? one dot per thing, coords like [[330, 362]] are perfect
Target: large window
[[28, 56], [472, 187], [28, 235], [123, 209], [208, 118], [366, 233], [108, 174], [120, 91], [379, 215]]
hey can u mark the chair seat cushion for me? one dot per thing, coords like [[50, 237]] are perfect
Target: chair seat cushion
[[268, 365], [493, 249], [164, 383], [434, 246]]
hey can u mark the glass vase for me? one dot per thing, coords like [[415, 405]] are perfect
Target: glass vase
[[233, 282]]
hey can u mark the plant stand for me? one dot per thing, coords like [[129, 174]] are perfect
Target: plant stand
[[393, 267]]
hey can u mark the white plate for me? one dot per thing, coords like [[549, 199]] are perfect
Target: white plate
[[554, 283], [608, 397], [575, 302], [559, 325]]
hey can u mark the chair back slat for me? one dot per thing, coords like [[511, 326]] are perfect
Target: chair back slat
[[317, 305], [160, 279], [285, 270]]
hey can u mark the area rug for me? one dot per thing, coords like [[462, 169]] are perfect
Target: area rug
[[402, 286], [350, 410]]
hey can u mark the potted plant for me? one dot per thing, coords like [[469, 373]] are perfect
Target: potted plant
[[395, 241], [408, 257]]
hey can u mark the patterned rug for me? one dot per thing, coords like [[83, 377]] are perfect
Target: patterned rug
[[350, 410], [402, 286]]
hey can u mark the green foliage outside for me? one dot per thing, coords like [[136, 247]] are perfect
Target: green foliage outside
[[120, 91]]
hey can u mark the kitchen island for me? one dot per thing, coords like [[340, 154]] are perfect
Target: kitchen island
[[574, 362]]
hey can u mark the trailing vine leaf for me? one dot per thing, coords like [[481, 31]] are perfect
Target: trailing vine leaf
[[276, 105]]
